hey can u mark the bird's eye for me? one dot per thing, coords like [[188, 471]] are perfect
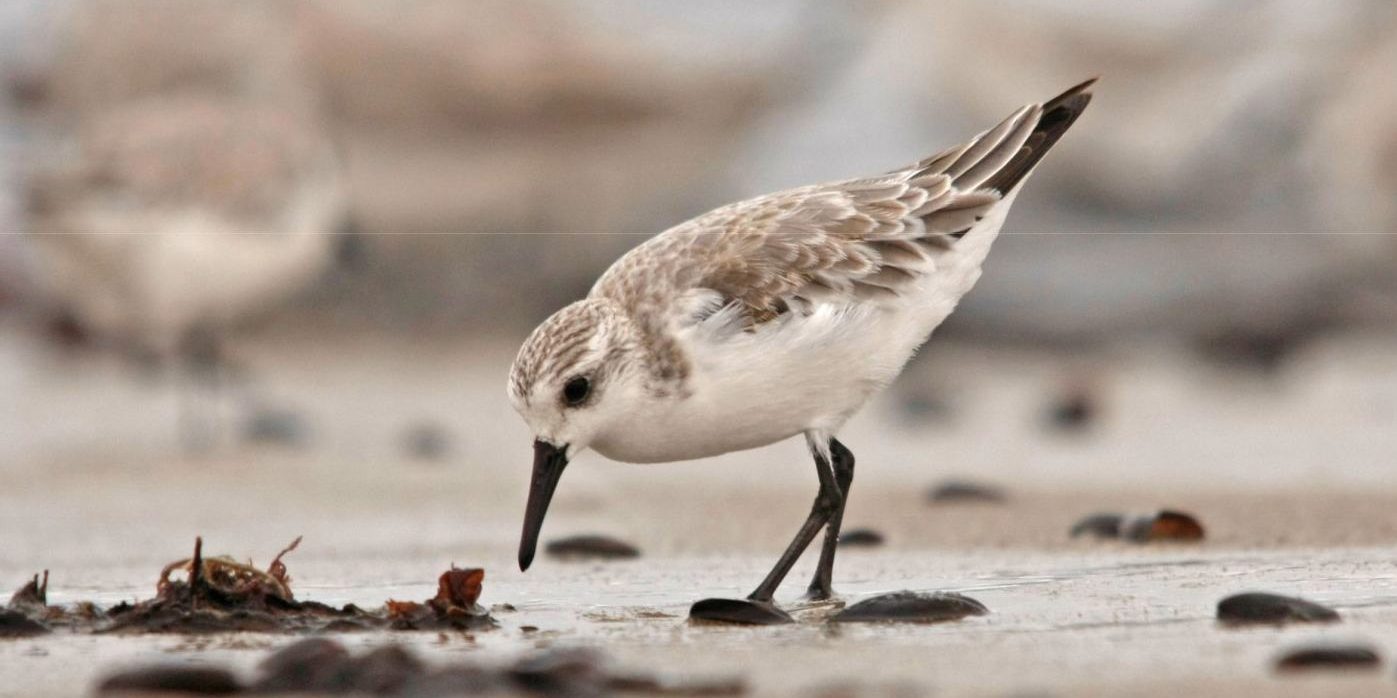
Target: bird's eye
[[575, 392]]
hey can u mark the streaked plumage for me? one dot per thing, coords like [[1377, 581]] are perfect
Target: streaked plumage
[[776, 316]]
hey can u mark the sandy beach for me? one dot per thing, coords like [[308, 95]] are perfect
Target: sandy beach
[[1068, 616]]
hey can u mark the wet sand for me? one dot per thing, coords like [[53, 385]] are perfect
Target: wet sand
[[1068, 617]]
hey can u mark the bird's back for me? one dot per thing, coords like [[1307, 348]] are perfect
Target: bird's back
[[789, 310]]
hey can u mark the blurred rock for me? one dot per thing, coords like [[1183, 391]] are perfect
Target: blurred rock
[[966, 491], [277, 427], [860, 538], [1073, 412], [1348, 657], [1164, 525], [181, 680], [1187, 203], [427, 441]]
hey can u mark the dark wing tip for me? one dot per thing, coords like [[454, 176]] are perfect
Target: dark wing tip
[[1059, 114]]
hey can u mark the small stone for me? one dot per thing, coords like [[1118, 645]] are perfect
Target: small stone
[[316, 664], [1167, 525], [956, 491], [592, 547], [739, 612], [1260, 608], [172, 679], [383, 671], [1099, 526], [1336, 657], [427, 442], [276, 427], [573, 671], [911, 607], [1073, 412], [861, 537]]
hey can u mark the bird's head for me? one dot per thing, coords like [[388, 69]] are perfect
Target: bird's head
[[576, 377]]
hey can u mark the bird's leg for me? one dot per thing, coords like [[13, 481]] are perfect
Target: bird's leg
[[843, 461], [828, 501]]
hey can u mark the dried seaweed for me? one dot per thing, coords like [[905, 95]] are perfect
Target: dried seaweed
[[200, 594]]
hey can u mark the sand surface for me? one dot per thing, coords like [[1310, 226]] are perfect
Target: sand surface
[[1292, 477]]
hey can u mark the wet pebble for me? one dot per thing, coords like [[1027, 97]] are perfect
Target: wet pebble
[[739, 612], [1073, 412], [427, 442], [1347, 657], [276, 427], [911, 607], [1260, 608], [569, 671], [1164, 525], [315, 664], [860, 537], [1099, 526], [593, 547], [956, 491], [183, 680]]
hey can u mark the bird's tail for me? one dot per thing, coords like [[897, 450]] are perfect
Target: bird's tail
[[1057, 116]]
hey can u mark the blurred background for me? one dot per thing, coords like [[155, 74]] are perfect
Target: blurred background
[[1197, 289]]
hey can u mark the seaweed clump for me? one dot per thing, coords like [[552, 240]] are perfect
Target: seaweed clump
[[201, 594]]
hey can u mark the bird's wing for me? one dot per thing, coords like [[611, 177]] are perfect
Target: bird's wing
[[863, 239]]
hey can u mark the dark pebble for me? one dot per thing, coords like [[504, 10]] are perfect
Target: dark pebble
[[427, 442], [599, 547], [1260, 608], [16, 624], [1337, 657], [276, 427], [645, 684], [173, 679], [316, 664], [1074, 412], [953, 491], [1099, 526], [739, 611], [571, 671], [929, 408], [1165, 525], [861, 537], [911, 607]]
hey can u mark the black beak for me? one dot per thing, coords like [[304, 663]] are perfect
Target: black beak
[[549, 461]]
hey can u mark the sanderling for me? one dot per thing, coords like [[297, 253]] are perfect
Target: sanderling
[[172, 221], [772, 317]]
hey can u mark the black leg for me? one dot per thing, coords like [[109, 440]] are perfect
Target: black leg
[[827, 502], [821, 587]]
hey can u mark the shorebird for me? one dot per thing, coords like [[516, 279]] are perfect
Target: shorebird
[[770, 318], [177, 220]]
